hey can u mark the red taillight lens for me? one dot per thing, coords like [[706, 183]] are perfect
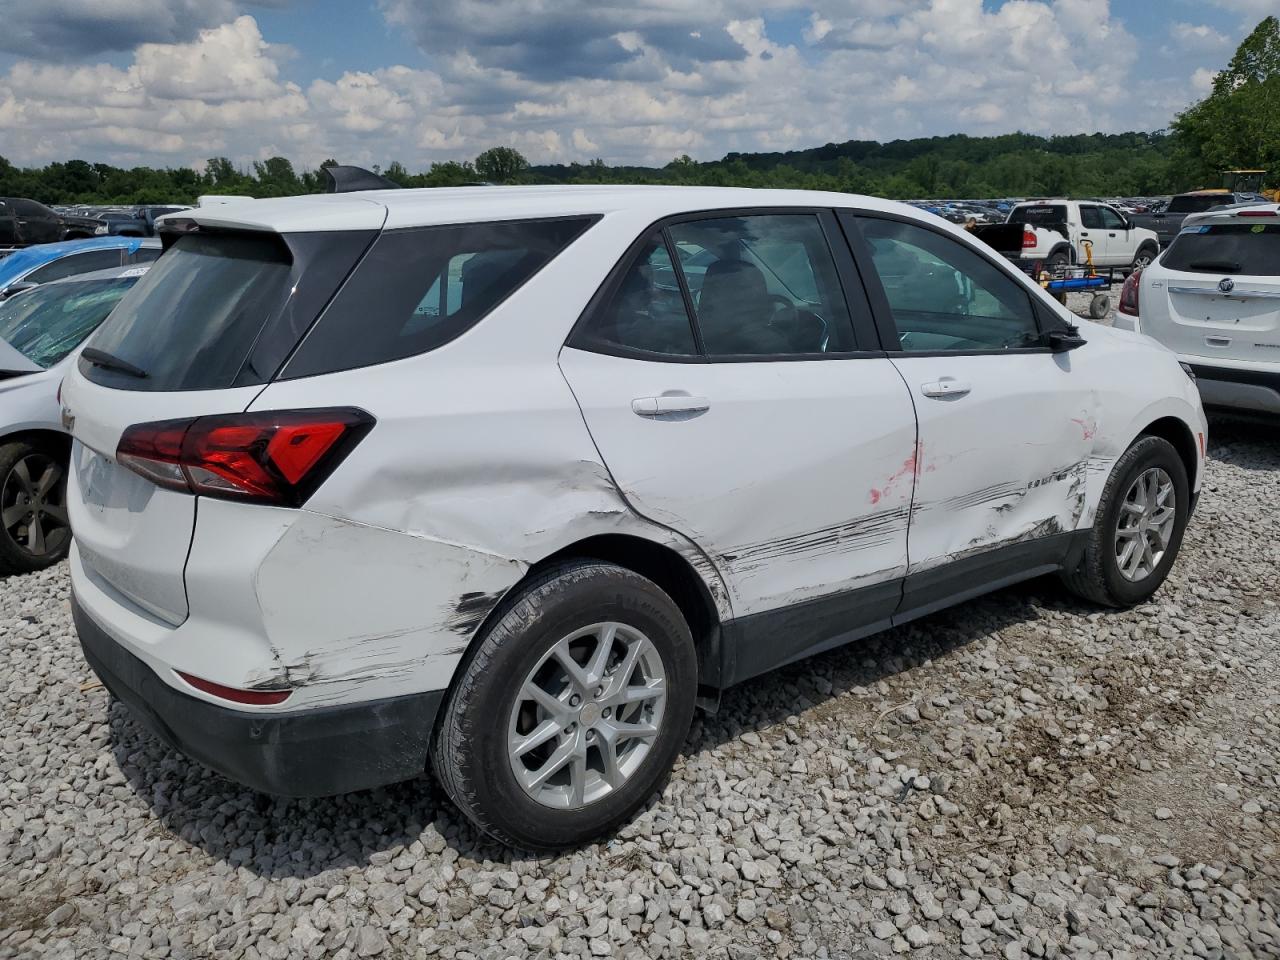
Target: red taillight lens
[[1129, 294], [1257, 213], [1028, 239], [257, 698], [277, 457]]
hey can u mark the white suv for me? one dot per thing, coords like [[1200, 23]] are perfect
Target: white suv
[[1214, 298], [513, 479]]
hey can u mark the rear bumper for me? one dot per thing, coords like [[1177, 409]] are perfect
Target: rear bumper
[[1255, 392], [315, 752]]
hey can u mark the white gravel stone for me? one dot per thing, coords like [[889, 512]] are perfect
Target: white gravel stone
[[1011, 807]]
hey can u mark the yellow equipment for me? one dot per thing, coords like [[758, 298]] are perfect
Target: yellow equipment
[[1249, 181]]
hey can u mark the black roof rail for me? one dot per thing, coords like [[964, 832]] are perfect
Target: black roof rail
[[347, 179]]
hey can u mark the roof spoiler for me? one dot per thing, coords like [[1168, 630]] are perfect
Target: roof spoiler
[[346, 179]]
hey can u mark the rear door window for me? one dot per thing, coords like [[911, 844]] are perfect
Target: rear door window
[[419, 288], [764, 285], [1248, 249]]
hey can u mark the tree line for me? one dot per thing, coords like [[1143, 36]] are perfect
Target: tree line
[[1236, 125]]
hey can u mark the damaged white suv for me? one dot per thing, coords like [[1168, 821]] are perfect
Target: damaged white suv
[[511, 480]]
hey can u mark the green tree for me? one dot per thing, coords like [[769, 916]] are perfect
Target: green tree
[[1238, 123], [501, 164]]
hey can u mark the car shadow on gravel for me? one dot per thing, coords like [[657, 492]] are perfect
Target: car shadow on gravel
[[1247, 444], [302, 838]]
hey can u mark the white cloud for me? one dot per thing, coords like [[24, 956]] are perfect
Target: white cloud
[[1198, 37], [570, 80]]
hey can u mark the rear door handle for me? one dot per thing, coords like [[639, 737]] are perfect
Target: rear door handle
[[663, 406], [945, 388]]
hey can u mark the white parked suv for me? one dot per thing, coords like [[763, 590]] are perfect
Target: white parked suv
[[510, 480], [1214, 298]]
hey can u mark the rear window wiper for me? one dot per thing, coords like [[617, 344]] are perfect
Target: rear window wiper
[[109, 361], [1225, 266]]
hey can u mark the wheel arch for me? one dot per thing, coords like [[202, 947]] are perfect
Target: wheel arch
[[1063, 247], [1181, 438], [659, 562], [54, 440]]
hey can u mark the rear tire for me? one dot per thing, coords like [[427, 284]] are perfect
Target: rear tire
[[606, 737], [1142, 259], [34, 533], [1110, 576]]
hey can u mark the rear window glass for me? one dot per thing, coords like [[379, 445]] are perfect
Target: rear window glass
[[223, 309], [1251, 249], [191, 322], [419, 288], [49, 322], [1198, 204], [1039, 214]]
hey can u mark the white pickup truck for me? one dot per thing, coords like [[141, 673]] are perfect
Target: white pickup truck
[[1055, 233]]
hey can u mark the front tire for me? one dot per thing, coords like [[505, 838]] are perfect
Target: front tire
[[572, 709], [34, 532], [1139, 527]]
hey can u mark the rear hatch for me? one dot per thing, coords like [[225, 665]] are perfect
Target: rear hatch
[[1221, 283], [201, 334]]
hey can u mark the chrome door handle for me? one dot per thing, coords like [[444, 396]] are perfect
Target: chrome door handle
[[666, 405], [945, 389]]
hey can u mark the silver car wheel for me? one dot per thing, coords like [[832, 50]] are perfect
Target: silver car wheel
[[1145, 528], [587, 715]]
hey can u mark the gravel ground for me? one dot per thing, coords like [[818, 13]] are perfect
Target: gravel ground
[[1020, 776]]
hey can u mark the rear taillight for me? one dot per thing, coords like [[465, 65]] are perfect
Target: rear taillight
[[277, 457], [1028, 239], [1129, 294], [1256, 213]]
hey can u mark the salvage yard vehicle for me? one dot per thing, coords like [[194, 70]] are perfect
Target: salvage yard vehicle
[[1055, 233], [46, 262], [39, 332], [478, 479], [1167, 222], [1214, 298], [24, 222]]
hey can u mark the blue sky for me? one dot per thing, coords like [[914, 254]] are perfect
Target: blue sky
[[370, 81]]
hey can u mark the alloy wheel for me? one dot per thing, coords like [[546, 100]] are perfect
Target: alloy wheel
[[1145, 527], [587, 715], [33, 509]]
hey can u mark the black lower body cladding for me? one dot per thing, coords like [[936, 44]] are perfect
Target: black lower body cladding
[[305, 753]]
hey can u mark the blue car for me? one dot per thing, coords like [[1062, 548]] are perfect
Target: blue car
[[44, 262]]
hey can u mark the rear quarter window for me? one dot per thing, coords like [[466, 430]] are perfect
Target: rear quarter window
[[1248, 249], [417, 289]]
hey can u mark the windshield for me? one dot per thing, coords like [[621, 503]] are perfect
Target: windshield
[[47, 323], [1248, 249]]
